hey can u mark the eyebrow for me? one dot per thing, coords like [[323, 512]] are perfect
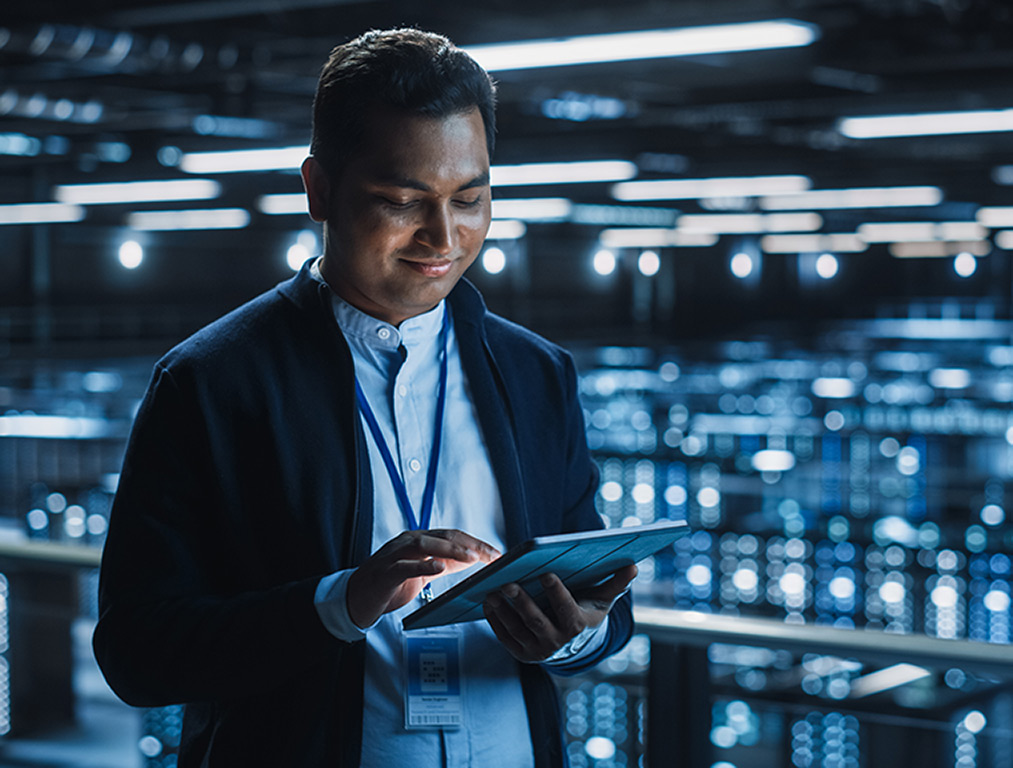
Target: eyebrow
[[481, 180]]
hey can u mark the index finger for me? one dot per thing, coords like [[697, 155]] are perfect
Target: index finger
[[481, 550]]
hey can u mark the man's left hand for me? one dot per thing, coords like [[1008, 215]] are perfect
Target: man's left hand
[[531, 634]]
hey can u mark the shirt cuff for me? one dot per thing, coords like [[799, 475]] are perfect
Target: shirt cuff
[[586, 643], [331, 602]]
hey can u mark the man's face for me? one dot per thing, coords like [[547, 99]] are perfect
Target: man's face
[[408, 214]]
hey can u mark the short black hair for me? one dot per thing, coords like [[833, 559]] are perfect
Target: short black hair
[[408, 70]]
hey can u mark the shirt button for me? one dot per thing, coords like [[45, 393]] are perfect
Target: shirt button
[[402, 390], [383, 333], [415, 465]]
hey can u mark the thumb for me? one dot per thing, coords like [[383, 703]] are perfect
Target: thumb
[[616, 584]]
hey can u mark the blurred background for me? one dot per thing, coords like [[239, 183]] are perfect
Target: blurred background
[[777, 237]]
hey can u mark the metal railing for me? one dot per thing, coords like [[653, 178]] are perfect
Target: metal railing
[[679, 684]]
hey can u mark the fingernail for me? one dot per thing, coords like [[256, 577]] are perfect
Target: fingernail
[[546, 579], [511, 590]]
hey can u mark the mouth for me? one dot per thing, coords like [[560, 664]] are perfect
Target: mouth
[[437, 268]]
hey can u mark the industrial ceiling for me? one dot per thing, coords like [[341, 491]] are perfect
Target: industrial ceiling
[[120, 91]]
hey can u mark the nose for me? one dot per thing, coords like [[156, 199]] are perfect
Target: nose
[[438, 231]]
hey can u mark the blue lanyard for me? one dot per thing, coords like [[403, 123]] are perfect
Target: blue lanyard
[[434, 459]]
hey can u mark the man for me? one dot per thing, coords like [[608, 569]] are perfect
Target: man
[[307, 470]]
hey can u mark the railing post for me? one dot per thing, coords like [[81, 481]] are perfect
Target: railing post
[[678, 707]]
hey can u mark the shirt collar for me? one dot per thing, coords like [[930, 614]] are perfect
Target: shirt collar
[[377, 333]]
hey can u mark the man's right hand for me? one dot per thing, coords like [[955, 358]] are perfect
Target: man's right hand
[[395, 574]]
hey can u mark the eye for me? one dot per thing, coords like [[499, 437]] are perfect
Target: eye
[[397, 205], [469, 203]]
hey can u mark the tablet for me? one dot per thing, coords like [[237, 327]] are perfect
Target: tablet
[[579, 559]]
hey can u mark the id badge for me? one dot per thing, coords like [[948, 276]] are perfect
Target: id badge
[[432, 691]]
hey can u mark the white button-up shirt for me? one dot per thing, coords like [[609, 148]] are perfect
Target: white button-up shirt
[[398, 371]]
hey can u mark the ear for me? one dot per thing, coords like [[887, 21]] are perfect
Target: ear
[[317, 184]]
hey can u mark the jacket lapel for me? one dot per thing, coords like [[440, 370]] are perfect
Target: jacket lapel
[[494, 405]]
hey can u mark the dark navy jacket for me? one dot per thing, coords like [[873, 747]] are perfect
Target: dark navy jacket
[[246, 480]]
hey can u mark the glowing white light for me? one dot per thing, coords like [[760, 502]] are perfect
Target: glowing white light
[[655, 237], [908, 460], [992, 514], [827, 266], [611, 491], [40, 213], [131, 254], [535, 209], [950, 378], [868, 197], [1009, 435], [647, 44], [582, 171], [690, 189], [920, 231], [842, 242], [242, 160], [792, 583], [698, 575], [708, 497], [833, 387], [97, 525], [745, 579], [927, 124], [975, 721], [649, 263], [675, 495], [297, 255], [886, 679], [506, 229], [600, 748], [997, 601], [138, 191], [834, 421], [30, 425], [150, 746], [995, 217], [842, 587], [604, 262], [892, 592], [643, 493], [742, 265], [749, 223], [38, 520], [944, 596], [282, 205], [493, 260], [771, 460], [964, 264], [201, 218]]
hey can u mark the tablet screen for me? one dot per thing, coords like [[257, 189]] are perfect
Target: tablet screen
[[579, 559]]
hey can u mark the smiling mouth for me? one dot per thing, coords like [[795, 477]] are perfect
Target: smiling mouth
[[430, 268]]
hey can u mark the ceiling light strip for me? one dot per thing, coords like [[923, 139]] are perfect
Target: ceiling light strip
[[137, 192], [585, 171], [690, 189], [862, 197], [655, 237], [40, 213], [842, 242], [245, 160], [206, 218], [926, 124], [648, 44]]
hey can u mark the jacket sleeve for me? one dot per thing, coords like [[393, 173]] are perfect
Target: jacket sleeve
[[172, 625], [580, 515]]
